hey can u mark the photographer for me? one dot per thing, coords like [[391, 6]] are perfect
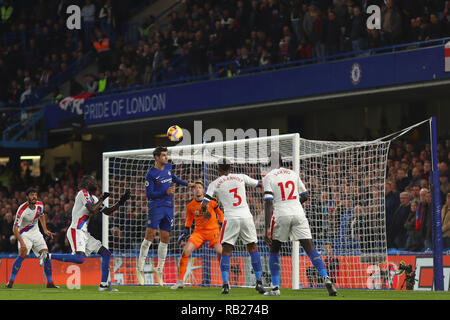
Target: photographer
[[410, 275]]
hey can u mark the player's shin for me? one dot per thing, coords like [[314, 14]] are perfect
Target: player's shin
[[105, 260], [145, 246], [182, 267], [256, 264], [74, 258], [162, 253], [274, 266], [48, 271], [316, 260], [15, 268], [225, 267]]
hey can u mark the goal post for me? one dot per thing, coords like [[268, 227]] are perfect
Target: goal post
[[123, 232], [346, 210]]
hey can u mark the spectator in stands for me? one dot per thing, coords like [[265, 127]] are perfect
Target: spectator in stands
[[445, 215], [402, 180], [392, 200], [332, 34], [107, 18], [445, 185], [416, 33], [90, 83], [358, 28], [426, 225], [317, 35], [414, 241], [396, 235], [359, 225], [415, 177], [158, 58], [6, 14], [88, 12], [436, 28], [304, 50], [391, 23], [168, 73], [102, 46], [7, 231]]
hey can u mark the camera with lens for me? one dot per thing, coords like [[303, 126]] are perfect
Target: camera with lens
[[410, 275], [406, 268]]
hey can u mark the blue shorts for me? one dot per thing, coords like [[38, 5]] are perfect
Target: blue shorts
[[160, 218]]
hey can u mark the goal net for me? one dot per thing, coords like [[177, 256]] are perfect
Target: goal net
[[345, 210]]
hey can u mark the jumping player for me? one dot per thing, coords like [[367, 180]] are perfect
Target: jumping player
[[284, 193], [206, 230], [81, 241], [238, 222], [159, 188], [29, 237]]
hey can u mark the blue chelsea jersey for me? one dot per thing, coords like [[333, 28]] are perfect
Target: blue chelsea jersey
[[156, 184]]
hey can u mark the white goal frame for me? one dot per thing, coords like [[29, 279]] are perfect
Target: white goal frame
[[295, 140]]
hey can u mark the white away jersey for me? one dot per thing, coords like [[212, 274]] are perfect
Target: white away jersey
[[80, 214], [285, 187], [27, 218], [230, 190]]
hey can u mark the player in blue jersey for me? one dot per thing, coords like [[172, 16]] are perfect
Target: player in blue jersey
[[159, 188]]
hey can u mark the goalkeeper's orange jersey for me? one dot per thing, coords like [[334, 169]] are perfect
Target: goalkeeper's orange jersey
[[194, 211]]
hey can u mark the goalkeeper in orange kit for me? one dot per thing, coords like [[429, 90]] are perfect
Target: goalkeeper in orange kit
[[205, 230]]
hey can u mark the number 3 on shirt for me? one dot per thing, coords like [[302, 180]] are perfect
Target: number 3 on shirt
[[236, 196], [291, 195]]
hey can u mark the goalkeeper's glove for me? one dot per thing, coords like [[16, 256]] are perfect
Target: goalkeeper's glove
[[183, 236], [105, 195], [124, 198]]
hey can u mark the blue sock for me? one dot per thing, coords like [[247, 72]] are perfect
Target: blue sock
[[48, 271], [256, 264], [74, 258], [274, 266], [225, 267], [316, 260], [15, 268], [106, 257]]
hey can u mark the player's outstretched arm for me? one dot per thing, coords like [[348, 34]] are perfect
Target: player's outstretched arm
[[121, 202], [181, 182], [95, 208]]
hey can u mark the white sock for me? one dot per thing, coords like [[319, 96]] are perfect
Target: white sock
[[145, 246], [162, 253]]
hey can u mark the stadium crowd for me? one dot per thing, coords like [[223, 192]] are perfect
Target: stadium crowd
[[222, 38], [407, 204], [36, 45], [208, 38], [200, 40]]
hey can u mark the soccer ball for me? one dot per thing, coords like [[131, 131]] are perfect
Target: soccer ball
[[174, 133]]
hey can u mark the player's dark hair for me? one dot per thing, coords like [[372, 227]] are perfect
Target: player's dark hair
[[224, 165], [158, 150], [31, 190], [87, 182]]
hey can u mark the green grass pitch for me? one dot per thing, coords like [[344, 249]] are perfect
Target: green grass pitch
[[39, 292]]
